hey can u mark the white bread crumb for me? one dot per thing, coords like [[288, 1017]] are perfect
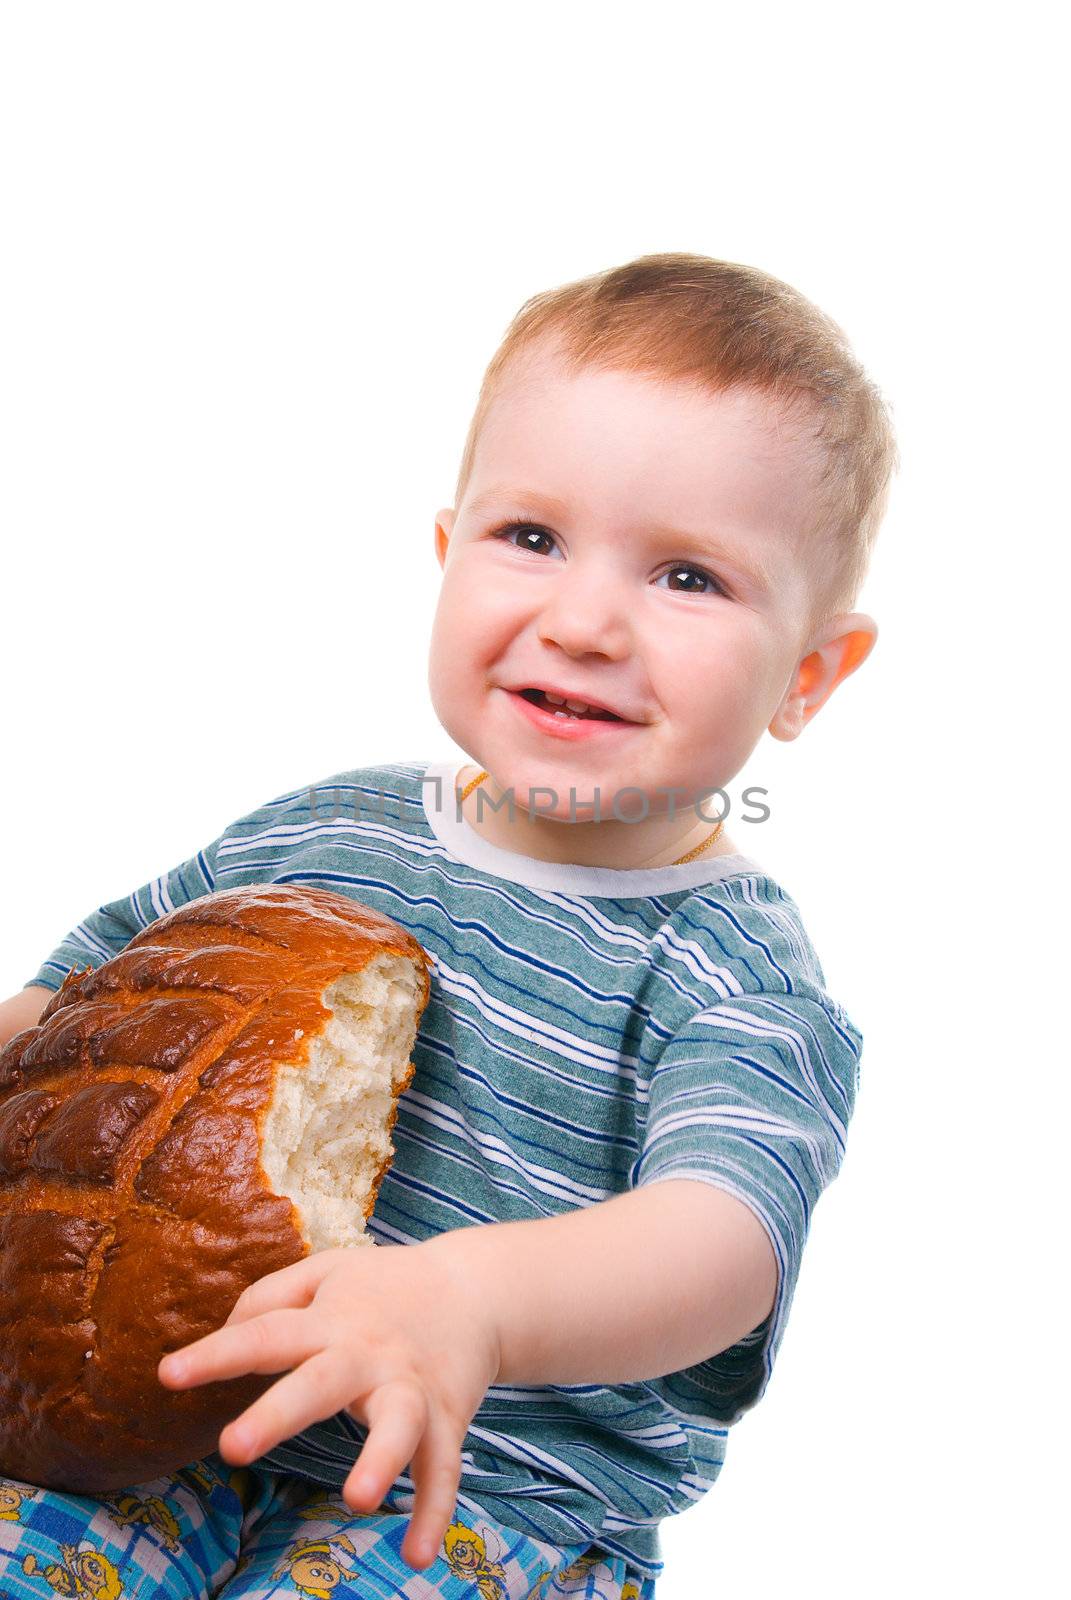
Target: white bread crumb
[[323, 1135]]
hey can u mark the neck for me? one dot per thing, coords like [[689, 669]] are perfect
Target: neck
[[655, 842]]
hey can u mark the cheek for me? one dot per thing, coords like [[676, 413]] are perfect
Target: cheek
[[447, 661], [462, 650], [691, 663], [476, 619], [713, 673]]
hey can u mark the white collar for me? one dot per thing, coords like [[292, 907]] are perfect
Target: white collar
[[440, 791]]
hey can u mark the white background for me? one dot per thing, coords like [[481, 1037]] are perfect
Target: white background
[[256, 260]]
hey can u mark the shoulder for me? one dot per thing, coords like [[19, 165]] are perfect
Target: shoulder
[[353, 791], [748, 920], [303, 829], [747, 939]]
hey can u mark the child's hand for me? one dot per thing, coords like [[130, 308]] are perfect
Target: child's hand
[[392, 1334]]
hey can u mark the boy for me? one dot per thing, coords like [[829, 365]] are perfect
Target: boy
[[631, 1084]]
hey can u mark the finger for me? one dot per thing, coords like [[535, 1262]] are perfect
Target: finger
[[436, 1473], [318, 1388], [294, 1285], [270, 1343], [397, 1414]]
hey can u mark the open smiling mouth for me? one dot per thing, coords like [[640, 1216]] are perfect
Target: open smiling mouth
[[536, 697], [559, 721]]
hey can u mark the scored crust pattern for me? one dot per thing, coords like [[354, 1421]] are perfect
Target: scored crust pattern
[[133, 1206]]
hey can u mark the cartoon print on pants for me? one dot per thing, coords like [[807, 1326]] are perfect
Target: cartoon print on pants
[[324, 1509], [198, 1474], [317, 1566], [579, 1578], [466, 1556], [83, 1572], [127, 1509], [11, 1500]]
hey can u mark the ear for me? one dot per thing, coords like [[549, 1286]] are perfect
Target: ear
[[842, 645], [444, 527]]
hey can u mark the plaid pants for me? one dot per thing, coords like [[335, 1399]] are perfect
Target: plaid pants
[[211, 1530]]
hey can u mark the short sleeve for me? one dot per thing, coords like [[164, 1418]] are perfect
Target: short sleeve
[[754, 1096], [106, 931]]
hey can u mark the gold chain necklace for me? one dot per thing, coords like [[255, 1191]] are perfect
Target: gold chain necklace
[[467, 790]]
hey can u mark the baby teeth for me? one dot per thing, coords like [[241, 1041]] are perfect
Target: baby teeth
[[573, 705]]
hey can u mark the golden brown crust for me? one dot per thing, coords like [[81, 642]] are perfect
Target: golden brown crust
[[133, 1206]]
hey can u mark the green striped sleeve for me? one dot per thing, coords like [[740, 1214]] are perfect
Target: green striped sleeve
[[754, 1096]]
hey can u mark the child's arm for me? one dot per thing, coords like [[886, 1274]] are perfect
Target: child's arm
[[646, 1283], [22, 1010]]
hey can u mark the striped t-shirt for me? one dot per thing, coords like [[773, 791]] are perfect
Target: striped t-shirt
[[588, 1030]]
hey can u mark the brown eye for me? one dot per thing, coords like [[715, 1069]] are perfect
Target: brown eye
[[693, 573], [530, 530]]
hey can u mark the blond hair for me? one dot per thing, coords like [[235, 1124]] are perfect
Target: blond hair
[[721, 324]]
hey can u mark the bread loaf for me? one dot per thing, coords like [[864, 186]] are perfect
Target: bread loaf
[[209, 1105]]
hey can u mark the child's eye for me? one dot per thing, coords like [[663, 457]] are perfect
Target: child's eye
[[527, 528], [698, 572]]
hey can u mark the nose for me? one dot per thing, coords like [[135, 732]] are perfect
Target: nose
[[586, 611]]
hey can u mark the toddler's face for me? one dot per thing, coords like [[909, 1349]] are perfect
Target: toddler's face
[[634, 543]]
